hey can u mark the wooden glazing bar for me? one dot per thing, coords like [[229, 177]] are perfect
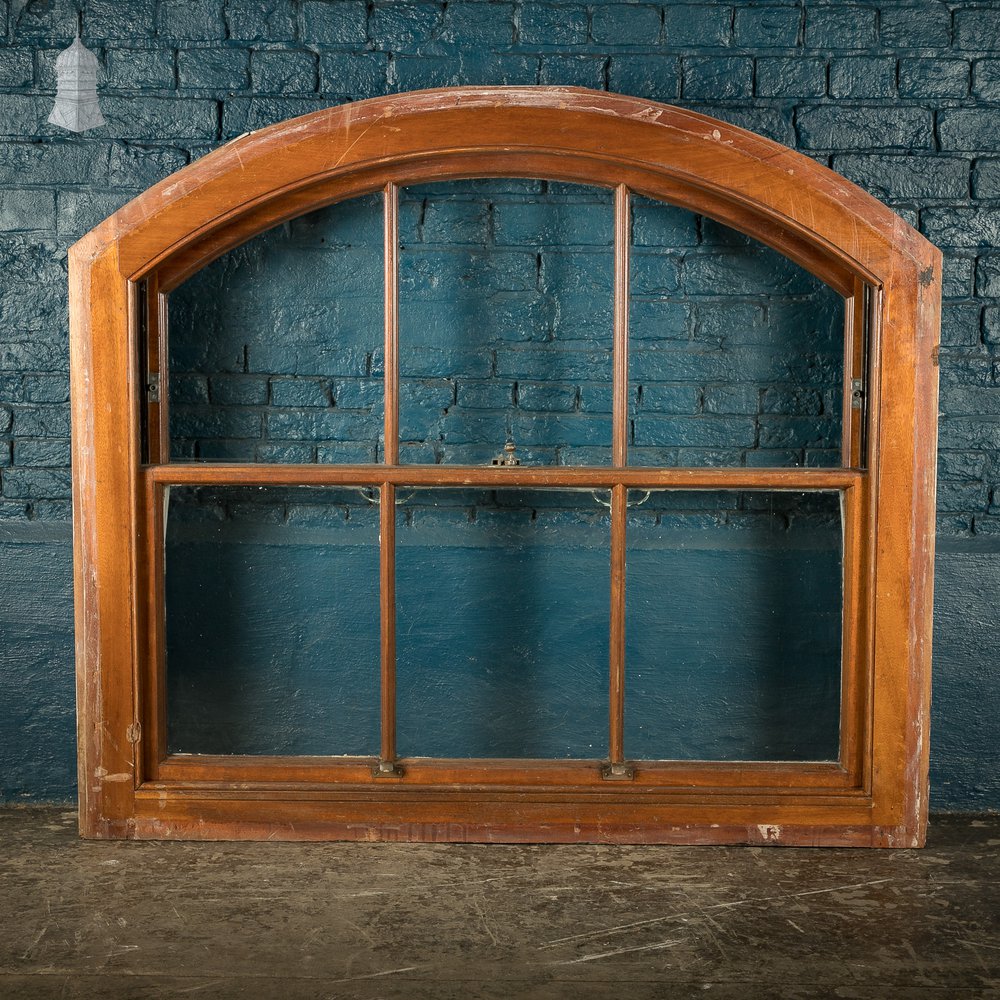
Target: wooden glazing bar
[[387, 766], [617, 769], [623, 236], [534, 476], [391, 346]]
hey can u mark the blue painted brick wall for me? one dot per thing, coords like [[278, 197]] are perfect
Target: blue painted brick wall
[[901, 97]]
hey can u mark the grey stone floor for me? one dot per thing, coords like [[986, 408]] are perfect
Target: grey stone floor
[[435, 922]]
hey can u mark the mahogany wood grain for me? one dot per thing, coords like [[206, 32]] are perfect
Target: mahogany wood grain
[[874, 795]]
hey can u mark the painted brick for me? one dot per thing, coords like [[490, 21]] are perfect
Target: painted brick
[[864, 128], [657, 77], [448, 222], [45, 452], [863, 76], [797, 76], [960, 324], [972, 129], [988, 276], [991, 326], [290, 453], [27, 484], [46, 388], [700, 25], [670, 398], [402, 25], [17, 68], [112, 19], [797, 432], [769, 122], [260, 20], [977, 28], [986, 79], [547, 25], [163, 118], [188, 388], [926, 26], [899, 176], [213, 69], [238, 390], [791, 400], [625, 24], [659, 319], [283, 72], [520, 224], [957, 276], [488, 395], [199, 20], [22, 115], [696, 431], [247, 114], [840, 26], [657, 224], [354, 75], [215, 422], [961, 496], [767, 27], [986, 178], [138, 69], [933, 77], [961, 227], [136, 166], [559, 430], [961, 465], [971, 401], [299, 392], [80, 211], [490, 24], [546, 396], [743, 274], [717, 77], [26, 209], [572, 71], [414, 72], [52, 163], [735, 399], [655, 274]]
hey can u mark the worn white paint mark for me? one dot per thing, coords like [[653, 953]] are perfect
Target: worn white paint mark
[[620, 951], [622, 928], [771, 834], [376, 975], [796, 926]]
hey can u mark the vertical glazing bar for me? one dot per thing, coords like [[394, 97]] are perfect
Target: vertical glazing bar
[[616, 767], [391, 255], [387, 766], [620, 431]]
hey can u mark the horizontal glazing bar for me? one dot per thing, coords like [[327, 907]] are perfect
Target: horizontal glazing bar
[[566, 477]]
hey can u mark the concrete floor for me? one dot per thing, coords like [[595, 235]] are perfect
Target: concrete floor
[[435, 922]]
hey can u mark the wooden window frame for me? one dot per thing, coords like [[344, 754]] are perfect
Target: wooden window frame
[[120, 276]]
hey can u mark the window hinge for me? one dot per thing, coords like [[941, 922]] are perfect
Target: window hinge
[[134, 733], [857, 393], [153, 387]]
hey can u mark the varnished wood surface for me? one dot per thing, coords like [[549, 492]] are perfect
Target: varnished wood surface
[[771, 193]]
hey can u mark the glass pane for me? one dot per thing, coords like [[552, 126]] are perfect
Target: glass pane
[[733, 626], [505, 322], [272, 345], [502, 623], [736, 354], [272, 621]]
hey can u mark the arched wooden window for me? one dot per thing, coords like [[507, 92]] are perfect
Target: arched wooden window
[[132, 784]]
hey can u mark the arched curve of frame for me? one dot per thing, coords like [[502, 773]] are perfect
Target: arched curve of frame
[[783, 199]]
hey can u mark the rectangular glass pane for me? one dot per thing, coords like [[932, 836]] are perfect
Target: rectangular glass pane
[[502, 623], [733, 625], [736, 353], [505, 329], [272, 620], [271, 346]]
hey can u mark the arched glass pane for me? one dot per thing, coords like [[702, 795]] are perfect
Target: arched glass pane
[[505, 322], [736, 353], [272, 346]]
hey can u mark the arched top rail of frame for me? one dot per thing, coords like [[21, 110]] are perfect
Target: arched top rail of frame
[[768, 191]]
